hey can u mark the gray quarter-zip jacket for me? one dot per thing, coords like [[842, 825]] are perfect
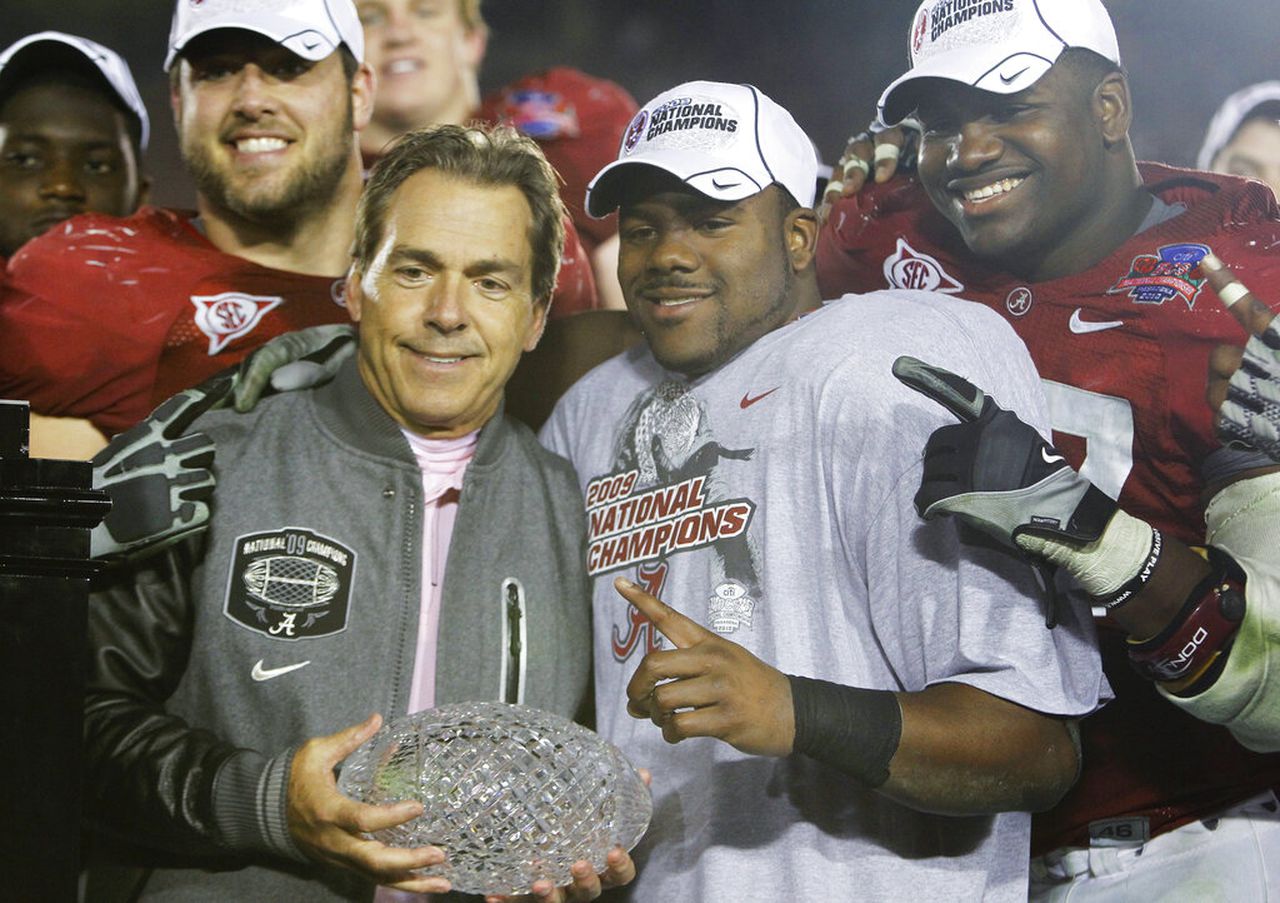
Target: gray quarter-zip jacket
[[296, 615]]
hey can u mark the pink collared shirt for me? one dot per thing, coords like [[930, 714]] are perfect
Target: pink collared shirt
[[443, 463]]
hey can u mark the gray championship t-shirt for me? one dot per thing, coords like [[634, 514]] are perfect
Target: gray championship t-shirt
[[770, 501]]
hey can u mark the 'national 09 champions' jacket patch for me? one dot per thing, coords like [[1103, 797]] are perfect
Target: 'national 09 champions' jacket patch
[[290, 584]]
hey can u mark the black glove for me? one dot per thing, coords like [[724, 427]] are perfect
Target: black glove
[[159, 480], [996, 472], [295, 360]]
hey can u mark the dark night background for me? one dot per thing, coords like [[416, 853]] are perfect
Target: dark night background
[[825, 60]]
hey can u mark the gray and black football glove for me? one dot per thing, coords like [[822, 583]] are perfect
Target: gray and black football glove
[[995, 472], [158, 479], [1251, 414], [296, 360]]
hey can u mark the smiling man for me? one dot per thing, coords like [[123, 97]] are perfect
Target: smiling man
[[857, 700], [105, 317], [1028, 199], [374, 544]]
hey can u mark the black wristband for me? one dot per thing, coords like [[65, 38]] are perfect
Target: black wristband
[[854, 730]]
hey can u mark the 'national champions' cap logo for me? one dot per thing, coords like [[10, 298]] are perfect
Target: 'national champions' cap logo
[[692, 124]]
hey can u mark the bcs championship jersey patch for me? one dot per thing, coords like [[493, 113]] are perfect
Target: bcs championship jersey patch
[[1172, 272], [542, 115], [230, 315], [290, 584]]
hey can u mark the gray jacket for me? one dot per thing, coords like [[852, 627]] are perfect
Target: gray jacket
[[296, 615]]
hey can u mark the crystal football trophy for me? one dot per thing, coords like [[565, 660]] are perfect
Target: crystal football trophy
[[511, 794]]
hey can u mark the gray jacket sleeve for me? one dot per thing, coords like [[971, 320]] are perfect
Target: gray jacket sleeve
[[149, 778]]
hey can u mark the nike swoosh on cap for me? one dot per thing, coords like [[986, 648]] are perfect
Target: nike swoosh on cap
[[725, 185], [260, 673], [1050, 459], [1080, 326], [1010, 79]]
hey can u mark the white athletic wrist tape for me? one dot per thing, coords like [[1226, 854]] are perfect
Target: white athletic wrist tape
[[857, 163], [1232, 292], [1104, 566], [887, 152]]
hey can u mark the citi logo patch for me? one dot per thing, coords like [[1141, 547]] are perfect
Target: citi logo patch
[[908, 268], [290, 584], [730, 608], [230, 315], [1171, 272]]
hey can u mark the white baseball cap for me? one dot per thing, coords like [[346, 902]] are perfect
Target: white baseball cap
[[1231, 115], [726, 141], [312, 29], [49, 49], [1001, 46]]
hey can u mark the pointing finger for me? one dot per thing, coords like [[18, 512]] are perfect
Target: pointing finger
[[680, 630], [1249, 312], [955, 393]]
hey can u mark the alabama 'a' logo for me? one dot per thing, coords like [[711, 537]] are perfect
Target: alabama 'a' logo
[[908, 268], [290, 584], [230, 315]]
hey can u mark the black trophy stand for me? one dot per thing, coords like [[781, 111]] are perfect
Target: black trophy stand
[[47, 510]]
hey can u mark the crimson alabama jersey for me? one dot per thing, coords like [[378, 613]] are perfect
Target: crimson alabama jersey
[[1123, 349], [578, 121], [102, 316]]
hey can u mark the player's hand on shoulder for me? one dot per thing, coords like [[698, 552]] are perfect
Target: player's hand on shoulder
[[708, 686], [296, 360], [329, 827], [1244, 382], [871, 156]]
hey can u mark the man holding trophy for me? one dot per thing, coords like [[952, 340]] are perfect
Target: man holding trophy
[[376, 543]]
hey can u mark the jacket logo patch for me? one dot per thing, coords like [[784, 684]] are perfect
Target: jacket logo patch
[[290, 584], [1169, 273], [230, 315], [908, 268]]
